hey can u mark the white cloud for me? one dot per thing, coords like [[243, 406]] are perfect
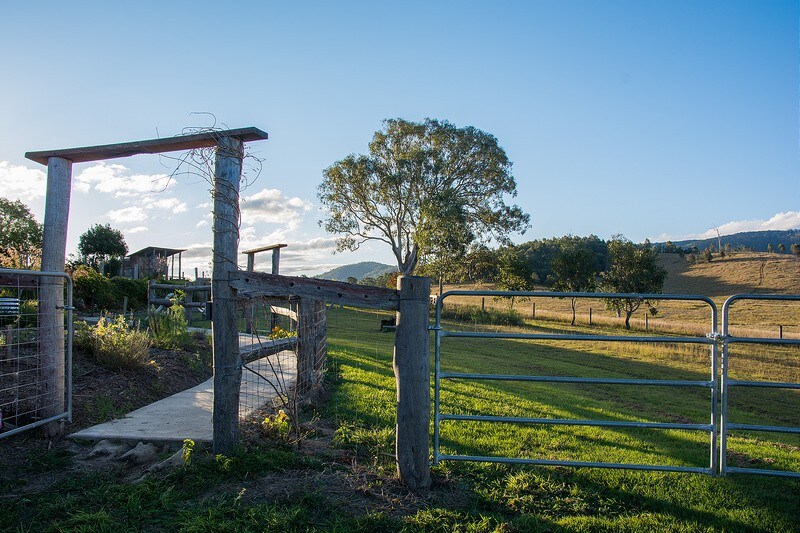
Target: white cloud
[[127, 214], [781, 221], [114, 178], [19, 182], [137, 229], [203, 223], [271, 205], [167, 204]]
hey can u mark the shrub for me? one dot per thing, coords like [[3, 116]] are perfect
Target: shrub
[[91, 289], [114, 343], [134, 289], [168, 328]]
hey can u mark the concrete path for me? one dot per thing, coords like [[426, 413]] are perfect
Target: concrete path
[[187, 414]]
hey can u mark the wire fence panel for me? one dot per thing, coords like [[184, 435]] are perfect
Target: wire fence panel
[[27, 379], [641, 385], [284, 355], [789, 382]]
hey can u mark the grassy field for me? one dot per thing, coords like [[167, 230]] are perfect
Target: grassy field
[[580, 499]]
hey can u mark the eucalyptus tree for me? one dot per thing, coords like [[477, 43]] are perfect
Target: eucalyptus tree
[[574, 269], [632, 269], [425, 189]]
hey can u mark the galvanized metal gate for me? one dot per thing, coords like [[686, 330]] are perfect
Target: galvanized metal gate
[[717, 427], [728, 383], [26, 399]]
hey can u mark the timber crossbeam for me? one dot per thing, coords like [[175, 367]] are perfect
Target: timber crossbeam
[[259, 284]]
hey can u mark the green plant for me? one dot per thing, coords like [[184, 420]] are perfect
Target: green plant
[[187, 450], [168, 328], [134, 289], [280, 333], [92, 290], [277, 426], [114, 343]]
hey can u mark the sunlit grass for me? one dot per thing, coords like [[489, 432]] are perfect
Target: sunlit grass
[[583, 498]]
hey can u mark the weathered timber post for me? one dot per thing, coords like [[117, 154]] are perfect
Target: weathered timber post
[[276, 260], [248, 305], [412, 374], [51, 295], [227, 365]]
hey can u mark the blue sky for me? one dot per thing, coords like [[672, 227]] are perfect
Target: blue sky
[[648, 118]]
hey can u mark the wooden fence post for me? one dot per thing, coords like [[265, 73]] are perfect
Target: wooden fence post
[[412, 374], [227, 365], [52, 399]]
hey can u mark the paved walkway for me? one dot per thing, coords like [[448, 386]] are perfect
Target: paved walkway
[[187, 414]]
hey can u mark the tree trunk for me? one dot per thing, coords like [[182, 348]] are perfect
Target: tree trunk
[[628, 319]]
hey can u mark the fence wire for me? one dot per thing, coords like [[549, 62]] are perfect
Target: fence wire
[[33, 390]]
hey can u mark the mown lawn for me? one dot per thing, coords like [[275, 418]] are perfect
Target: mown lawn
[[269, 487]]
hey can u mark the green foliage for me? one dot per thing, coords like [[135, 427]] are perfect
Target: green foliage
[[633, 270], [796, 249], [516, 273], [280, 333], [781, 248], [101, 243], [168, 328], [187, 450], [134, 289], [426, 188], [114, 343], [277, 426], [92, 291], [574, 270], [20, 236]]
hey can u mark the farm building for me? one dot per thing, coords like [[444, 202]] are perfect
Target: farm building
[[152, 261]]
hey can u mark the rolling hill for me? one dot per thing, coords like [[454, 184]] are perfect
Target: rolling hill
[[366, 269], [758, 240]]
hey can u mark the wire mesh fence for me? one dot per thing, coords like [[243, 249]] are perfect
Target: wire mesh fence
[[284, 353], [34, 381]]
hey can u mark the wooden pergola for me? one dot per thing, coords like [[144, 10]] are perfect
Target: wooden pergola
[[229, 146]]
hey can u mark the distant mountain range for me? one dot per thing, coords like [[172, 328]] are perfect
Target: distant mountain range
[[367, 269], [757, 239]]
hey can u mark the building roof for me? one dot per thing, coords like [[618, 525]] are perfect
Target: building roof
[[168, 252]]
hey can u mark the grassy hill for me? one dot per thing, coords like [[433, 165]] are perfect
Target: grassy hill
[[366, 269], [762, 273]]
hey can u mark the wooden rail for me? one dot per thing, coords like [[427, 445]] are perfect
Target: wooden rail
[[256, 284]]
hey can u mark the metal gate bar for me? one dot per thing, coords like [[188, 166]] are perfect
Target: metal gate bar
[[712, 383], [19, 286], [725, 424]]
